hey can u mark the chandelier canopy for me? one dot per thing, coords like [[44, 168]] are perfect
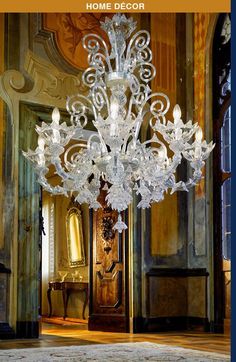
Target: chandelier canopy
[[114, 158]]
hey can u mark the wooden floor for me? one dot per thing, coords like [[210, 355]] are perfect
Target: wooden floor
[[65, 335]]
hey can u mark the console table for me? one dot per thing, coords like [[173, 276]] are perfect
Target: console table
[[66, 289]]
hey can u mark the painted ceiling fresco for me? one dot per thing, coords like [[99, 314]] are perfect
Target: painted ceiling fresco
[[69, 29]]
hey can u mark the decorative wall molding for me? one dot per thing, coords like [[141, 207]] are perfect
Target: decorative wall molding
[[61, 35], [47, 38], [43, 84]]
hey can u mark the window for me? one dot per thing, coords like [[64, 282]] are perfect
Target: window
[[222, 169], [222, 132]]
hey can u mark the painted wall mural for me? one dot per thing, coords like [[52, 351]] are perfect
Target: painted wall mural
[[164, 231], [201, 22], [69, 29]]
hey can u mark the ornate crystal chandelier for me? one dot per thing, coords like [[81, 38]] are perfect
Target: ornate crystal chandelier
[[119, 100]]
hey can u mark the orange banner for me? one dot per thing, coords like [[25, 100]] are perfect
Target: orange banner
[[110, 6]]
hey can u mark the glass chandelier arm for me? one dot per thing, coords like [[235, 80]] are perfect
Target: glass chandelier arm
[[89, 142], [154, 139], [73, 156], [88, 195], [80, 108], [192, 181], [158, 107], [136, 127], [160, 151], [94, 44], [36, 157], [97, 61], [124, 146], [90, 77], [176, 161], [185, 186], [60, 170], [42, 180], [146, 71], [132, 141], [136, 58], [82, 145], [104, 146], [137, 44], [101, 144], [197, 152], [135, 86], [100, 98]]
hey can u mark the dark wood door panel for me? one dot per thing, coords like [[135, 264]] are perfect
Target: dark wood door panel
[[109, 290], [108, 273]]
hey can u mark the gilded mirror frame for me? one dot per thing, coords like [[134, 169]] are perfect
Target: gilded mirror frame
[[75, 242]]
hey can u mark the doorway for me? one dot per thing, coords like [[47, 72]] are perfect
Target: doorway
[[65, 264]]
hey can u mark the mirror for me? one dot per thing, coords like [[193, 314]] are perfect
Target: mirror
[[75, 240]]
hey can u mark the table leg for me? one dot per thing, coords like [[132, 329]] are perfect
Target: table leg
[[49, 301], [85, 302], [64, 296]]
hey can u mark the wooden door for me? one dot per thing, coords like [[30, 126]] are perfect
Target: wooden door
[[108, 273]]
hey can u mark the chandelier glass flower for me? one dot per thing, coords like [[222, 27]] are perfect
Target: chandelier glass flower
[[119, 100]]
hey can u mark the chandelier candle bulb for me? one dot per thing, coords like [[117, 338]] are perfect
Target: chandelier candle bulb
[[118, 100], [56, 138], [56, 115], [176, 113], [198, 140], [199, 135]]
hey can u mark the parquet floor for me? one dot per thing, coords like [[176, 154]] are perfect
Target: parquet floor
[[65, 335]]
